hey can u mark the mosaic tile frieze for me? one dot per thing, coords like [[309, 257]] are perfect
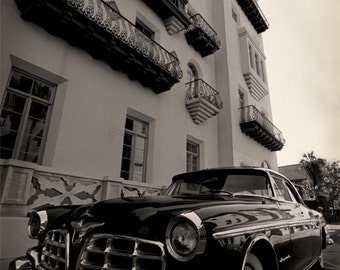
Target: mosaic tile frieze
[[127, 191], [48, 189]]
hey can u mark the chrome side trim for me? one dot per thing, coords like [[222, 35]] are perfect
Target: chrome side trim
[[259, 228], [251, 229]]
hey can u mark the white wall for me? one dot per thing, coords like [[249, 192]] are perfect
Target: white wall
[[87, 126]]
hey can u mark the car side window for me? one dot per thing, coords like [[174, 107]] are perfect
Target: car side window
[[281, 190], [294, 193]]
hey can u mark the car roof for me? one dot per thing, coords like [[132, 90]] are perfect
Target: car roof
[[245, 169]]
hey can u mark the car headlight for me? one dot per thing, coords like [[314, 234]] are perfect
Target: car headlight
[[37, 224], [185, 236]]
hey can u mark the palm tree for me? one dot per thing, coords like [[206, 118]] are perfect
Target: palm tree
[[313, 167]]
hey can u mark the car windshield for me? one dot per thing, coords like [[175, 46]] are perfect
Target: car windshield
[[227, 184]]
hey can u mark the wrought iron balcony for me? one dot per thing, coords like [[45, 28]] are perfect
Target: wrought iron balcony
[[172, 12], [98, 28], [255, 15], [202, 101], [254, 124], [202, 36]]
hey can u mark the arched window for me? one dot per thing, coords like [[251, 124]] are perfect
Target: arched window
[[192, 80], [192, 73]]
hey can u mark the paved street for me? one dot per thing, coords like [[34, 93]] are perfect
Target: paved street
[[332, 253]]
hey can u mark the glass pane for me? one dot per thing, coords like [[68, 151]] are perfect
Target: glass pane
[[38, 111], [14, 103], [282, 190], [129, 124], [192, 147], [34, 130], [30, 148], [127, 151], [124, 175], [134, 150], [9, 123], [42, 90], [140, 143], [137, 178], [12, 113], [20, 82], [128, 139], [125, 168], [138, 173], [7, 142], [188, 163], [34, 127], [195, 166], [139, 127], [139, 156]]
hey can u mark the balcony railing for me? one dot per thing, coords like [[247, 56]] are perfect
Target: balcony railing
[[202, 101], [172, 12], [97, 27], [257, 126], [255, 15], [202, 36]]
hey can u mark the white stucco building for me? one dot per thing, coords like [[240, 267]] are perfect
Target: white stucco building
[[101, 99]]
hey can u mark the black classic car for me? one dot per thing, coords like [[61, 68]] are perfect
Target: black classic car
[[226, 218]]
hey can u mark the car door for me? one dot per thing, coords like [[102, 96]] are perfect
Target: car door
[[314, 224], [298, 221]]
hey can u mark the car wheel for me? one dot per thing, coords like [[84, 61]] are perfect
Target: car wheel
[[253, 263]]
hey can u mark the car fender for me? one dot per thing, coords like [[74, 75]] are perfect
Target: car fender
[[254, 244]]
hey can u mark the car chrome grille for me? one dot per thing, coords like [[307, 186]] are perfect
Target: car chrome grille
[[118, 252], [55, 250]]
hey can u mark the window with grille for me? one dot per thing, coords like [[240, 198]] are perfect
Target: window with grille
[[25, 114], [134, 150], [144, 29], [193, 156]]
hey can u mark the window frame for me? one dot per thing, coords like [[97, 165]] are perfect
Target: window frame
[[190, 155], [132, 164], [257, 61], [29, 99], [145, 29]]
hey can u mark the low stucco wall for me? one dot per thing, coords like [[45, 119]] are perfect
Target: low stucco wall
[[14, 239]]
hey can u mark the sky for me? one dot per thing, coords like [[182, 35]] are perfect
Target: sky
[[302, 49]]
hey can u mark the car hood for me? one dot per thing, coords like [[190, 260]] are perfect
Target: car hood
[[151, 215]]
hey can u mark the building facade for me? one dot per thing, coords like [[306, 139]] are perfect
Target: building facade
[[102, 99]]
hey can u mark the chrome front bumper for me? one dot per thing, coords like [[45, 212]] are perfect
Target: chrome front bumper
[[29, 262]]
